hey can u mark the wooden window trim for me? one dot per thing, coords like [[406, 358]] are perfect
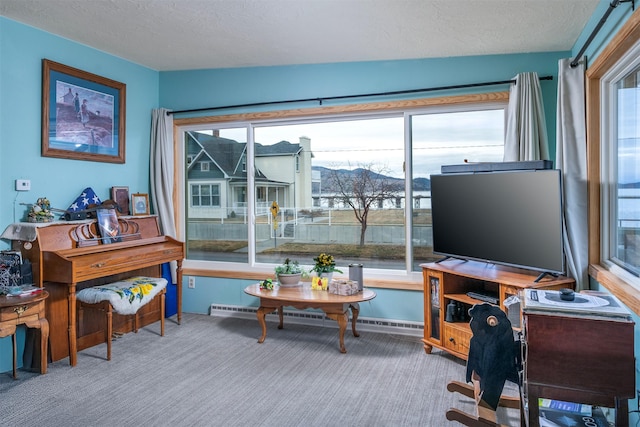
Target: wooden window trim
[[628, 35]]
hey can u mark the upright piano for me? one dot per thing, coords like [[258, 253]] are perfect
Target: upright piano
[[64, 265]]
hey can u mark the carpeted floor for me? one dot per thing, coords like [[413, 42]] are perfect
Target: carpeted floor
[[212, 372]]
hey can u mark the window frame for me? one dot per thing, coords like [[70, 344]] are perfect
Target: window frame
[[406, 280], [618, 281]]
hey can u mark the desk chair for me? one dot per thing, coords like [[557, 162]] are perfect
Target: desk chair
[[494, 358]]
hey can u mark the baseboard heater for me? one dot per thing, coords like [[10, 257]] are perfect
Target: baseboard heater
[[317, 318]]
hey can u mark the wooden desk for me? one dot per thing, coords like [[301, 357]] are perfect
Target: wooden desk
[[29, 311], [579, 359], [336, 307]]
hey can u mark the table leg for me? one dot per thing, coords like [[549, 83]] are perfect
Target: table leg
[[355, 311], [427, 347], [342, 319], [15, 355], [44, 340], [42, 325], [281, 317], [622, 411], [178, 290], [73, 345], [261, 313]]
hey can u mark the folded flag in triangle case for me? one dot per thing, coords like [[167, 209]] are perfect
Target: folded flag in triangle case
[[86, 198]]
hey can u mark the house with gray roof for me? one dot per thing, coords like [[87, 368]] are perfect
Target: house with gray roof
[[217, 176]]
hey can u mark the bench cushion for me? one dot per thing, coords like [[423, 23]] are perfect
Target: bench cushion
[[125, 296]]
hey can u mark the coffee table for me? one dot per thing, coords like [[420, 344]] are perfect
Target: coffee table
[[336, 307]]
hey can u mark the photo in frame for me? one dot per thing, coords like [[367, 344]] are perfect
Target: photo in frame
[[120, 195], [140, 203], [83, 115], [108, 225]]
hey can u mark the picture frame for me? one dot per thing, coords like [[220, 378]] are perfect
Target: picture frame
[[83, 115], [108, 225], [120, 195], [140, 204]]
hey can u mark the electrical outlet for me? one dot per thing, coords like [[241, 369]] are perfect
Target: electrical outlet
[[192, 282], [23, 184]]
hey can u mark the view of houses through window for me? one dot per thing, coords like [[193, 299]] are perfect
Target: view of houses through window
[[356, 187]]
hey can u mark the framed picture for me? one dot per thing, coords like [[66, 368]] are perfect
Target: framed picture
[[83, 115], [120, 195], [108, 225], [140, 203]]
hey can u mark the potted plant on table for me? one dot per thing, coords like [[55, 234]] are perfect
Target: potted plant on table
[[325, 265], [289, 273]]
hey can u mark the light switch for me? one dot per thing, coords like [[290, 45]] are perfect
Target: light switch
[[23, 184]]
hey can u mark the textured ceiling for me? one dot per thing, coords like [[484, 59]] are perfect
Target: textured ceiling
[[195, 34]]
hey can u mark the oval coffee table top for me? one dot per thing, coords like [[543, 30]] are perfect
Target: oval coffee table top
[[305, 293]]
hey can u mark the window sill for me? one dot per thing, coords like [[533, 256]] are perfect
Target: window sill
[[406, 285], [625, 290]]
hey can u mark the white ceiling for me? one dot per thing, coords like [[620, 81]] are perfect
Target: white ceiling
[[196, 34]]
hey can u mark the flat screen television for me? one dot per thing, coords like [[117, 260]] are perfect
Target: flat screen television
[[511, 218]]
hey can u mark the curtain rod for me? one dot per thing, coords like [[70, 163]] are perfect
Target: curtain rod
[[612, 5], [365, 95]]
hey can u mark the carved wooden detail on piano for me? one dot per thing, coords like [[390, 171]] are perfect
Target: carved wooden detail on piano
[[88, 234]]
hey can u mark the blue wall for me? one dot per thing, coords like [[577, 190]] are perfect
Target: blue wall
[[22, 49], [61, 180], [181, 90]]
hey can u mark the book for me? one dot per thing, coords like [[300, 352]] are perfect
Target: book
[[559, 405], [108, 225], [557, 418]]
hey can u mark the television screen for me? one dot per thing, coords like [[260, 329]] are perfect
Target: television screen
[[512, 218]]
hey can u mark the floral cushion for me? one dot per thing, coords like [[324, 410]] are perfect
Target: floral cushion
[[126, 296]]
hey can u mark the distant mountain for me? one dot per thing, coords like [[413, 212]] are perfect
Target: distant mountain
[[630, 185], [419, 184], [422, 184]]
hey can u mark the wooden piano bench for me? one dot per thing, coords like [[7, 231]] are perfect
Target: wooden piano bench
[[124, 297]]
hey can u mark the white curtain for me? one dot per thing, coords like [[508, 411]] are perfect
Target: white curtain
[[526, 136], [162, 172], [571, 159]]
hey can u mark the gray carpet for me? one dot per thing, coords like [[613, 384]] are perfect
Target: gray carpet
[[212, 372]]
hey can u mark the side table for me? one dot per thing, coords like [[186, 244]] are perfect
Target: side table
[[28, 310]]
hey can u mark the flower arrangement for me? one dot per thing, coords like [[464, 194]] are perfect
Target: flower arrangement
[[40, 211], [324, 263], [266, 284], [289, 273], [289, 267]]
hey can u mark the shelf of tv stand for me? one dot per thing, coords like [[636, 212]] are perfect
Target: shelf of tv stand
[[463, 298], [453, 279]]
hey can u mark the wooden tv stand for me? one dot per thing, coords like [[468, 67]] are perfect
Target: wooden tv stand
[[450, 280]]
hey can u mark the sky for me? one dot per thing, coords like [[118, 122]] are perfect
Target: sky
[[446, 138], [628, 134]]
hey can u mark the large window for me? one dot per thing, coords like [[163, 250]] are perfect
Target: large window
[[613, 132], [621, 164], [353, 185]]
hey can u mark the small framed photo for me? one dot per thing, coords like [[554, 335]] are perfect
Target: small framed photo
[[140, 203], [120, 195], [108, 225]]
